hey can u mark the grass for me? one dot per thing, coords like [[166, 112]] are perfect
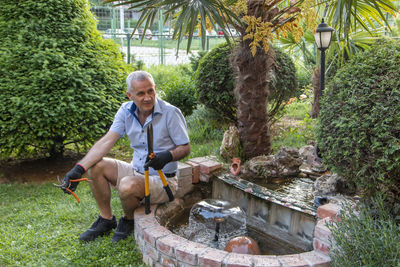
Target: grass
[[41, 226], [296, 127]]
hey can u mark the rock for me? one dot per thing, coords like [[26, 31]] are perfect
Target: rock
[[230, 146], [307, 153], [285, 163], [328, 184]]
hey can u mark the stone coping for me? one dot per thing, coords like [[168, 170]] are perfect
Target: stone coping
[[160, 247], [266, 194]]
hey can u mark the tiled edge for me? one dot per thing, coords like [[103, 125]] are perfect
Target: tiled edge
[[160, 247]]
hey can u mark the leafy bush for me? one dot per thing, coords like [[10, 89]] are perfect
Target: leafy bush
[[367, 237], [359, 127], [162, 74], [181, 93], [215, 82], [61, 83], [195, 60]]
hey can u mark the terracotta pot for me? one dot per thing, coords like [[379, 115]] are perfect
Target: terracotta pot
[[235, 166], [243, 245]]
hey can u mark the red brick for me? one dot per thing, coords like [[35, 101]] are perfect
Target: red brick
[[168, 243], [167, 261], [184, 169], [144, 223], [140, 212], [238, 260], [148, 260], [321, 231], [209, 166], [152, 234], [292, 260], [195, 172], [321, 246], [151, 252], [188, 252], [199, 159], [316, 259], [266, 261], [328, 210], [212, 257]]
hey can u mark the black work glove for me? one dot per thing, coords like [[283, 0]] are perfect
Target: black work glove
[[75, 173], [160, 160]]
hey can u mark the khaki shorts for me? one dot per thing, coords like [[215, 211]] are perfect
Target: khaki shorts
[[156, 188]]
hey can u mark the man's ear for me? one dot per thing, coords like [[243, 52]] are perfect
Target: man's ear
[[128, 95]]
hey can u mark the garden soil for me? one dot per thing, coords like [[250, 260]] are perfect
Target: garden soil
[[36, 170]]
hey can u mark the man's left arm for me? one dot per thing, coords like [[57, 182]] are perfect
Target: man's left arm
[[180, 152]]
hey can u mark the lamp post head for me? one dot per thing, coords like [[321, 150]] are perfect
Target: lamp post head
[[323, 35]]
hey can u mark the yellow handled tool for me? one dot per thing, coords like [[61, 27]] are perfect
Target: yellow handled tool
[[152, 155]]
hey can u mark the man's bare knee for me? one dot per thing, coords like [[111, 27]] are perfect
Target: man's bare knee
[[105, 168], [130, 186]]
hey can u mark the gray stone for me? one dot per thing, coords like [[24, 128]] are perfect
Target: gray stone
[[230, 146], [327, 184]]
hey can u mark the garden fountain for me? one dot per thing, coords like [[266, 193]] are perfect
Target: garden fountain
[[283, 228]]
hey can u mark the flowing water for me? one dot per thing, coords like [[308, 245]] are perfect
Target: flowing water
[[214, 222]]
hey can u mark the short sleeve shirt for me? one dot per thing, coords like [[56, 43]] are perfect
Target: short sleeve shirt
[[169, 131]]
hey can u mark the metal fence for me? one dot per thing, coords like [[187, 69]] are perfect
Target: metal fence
[[159, 49]]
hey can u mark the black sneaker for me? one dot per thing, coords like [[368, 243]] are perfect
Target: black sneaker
[[124, 229], [99, 228]]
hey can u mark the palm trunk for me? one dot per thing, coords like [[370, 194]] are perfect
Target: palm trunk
[[252, 74]]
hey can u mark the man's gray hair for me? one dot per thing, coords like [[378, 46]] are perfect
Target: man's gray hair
[[139, 75]]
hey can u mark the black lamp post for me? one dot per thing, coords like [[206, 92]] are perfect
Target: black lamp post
[[323, 38]]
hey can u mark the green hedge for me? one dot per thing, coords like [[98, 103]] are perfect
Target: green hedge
[[181, 93], [359, 122], [61, 83]]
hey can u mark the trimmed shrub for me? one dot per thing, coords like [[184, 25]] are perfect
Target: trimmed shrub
[[181, 93], [366, 237], [61, 83], [215, 82], [359, 122]]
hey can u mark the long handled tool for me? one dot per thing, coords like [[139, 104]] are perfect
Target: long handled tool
[[62, 185], [151, 155]]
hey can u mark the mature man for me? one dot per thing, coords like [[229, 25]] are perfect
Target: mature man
[[171, 143]]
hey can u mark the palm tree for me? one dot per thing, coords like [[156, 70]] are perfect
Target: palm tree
[[258, 22]]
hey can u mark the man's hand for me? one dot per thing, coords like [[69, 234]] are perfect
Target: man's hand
[[75, 173], [160, 160]]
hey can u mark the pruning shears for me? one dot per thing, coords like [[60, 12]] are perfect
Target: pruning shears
[[63, 186], [151, 155]]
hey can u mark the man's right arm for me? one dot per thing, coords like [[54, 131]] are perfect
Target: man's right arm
[[99, 149]]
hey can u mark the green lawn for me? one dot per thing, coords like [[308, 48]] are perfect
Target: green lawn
[[40, 226]]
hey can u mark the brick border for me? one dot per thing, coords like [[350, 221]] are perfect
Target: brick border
[[160, 247]]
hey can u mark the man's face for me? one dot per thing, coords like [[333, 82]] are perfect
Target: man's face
[[143, 94]]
